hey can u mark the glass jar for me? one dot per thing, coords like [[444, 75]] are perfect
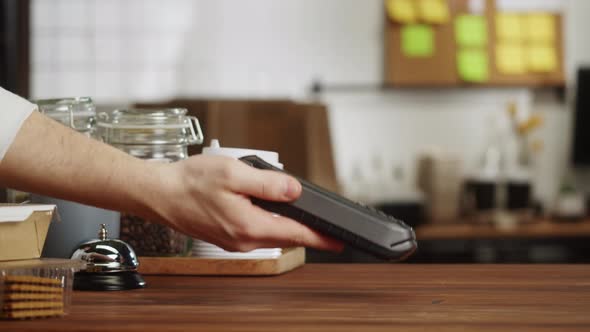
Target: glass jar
[[161, 135], [78, 222], [78, 113]]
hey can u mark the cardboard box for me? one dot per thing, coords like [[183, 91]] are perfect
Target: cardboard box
[[23, 229]]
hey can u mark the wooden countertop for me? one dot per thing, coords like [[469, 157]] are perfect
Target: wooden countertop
[[537, 229], [322, 297]]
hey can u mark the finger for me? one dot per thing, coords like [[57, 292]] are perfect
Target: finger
[[329, 244], [264, 184], [287, 232], [271, 230]]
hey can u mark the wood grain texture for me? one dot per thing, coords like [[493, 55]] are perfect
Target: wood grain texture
[[289, 260], [534, 230], [343, 298]]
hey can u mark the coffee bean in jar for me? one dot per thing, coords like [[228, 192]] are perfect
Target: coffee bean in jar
[[159, 135], [152, 239]]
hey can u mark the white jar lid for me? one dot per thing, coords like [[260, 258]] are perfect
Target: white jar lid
[[270, 157]]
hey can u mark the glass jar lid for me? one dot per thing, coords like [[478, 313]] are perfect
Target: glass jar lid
[[78, 113], [149, 127]]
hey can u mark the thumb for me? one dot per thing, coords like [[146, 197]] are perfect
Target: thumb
[[265, 184]]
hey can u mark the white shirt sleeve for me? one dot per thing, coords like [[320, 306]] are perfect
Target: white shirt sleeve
[[14, 110]]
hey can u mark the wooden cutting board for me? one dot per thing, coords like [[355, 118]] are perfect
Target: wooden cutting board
[[289, 260]]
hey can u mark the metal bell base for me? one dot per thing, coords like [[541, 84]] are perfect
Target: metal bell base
[[88, 281]]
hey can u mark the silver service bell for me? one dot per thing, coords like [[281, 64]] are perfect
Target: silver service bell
[[111, 264]]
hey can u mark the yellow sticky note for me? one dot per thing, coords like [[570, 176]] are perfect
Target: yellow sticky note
[[540, 28], [541, 59], [509, 27], [510, 59], [402, 11], [434, 11]]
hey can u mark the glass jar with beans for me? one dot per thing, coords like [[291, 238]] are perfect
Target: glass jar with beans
[[159, 135]]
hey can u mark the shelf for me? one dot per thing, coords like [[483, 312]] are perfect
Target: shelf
[[319, 87], [538, 229]]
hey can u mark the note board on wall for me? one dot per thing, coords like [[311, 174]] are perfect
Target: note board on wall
[[513, 53], [432, 61]]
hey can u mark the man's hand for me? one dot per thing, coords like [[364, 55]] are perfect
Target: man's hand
[[204, 196], [207, 197]]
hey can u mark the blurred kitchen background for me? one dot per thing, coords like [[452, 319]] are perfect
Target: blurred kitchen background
[[484, 155]]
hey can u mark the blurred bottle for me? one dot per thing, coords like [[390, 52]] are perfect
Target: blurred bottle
[[440, 179], [519, 166], [17, 197], [485, 190], [570, 204], [401, 198], [500, 189]]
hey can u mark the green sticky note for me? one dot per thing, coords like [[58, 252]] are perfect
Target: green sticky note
[[471, 30], [472, 65], [417, 40]]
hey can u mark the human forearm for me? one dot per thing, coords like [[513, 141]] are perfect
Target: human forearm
[[204, 196], [48, 158]]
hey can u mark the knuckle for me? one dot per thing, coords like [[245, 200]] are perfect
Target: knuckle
[[228, 229], [272, 186], [264, 189], [245, 232], [226, 172], [239, 230], [240, 238], [269, 189]]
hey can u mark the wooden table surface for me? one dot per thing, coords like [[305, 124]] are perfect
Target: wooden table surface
[[321, 297]]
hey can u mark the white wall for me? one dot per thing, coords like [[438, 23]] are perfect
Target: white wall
[[577, 26], [266, 48], [112, 50]]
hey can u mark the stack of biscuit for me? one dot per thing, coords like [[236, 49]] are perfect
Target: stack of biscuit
[[24, 297]]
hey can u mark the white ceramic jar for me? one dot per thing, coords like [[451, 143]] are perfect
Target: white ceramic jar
[[207, 250]]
